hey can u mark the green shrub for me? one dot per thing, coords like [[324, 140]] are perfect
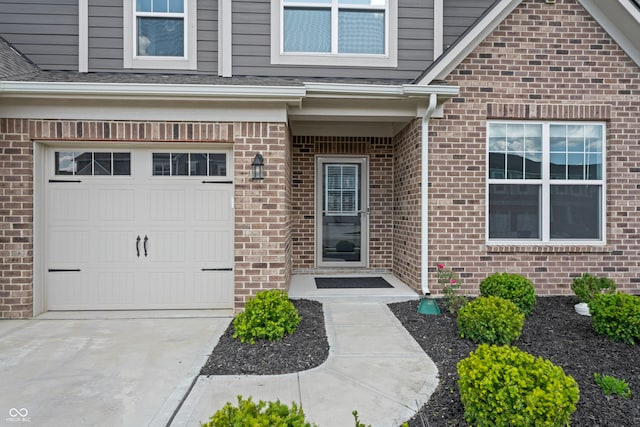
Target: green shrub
[[269, 315], [260, 414], [612, 385], [490, 320], [504, 386], [587, 287], [616, 316], [510, 286]]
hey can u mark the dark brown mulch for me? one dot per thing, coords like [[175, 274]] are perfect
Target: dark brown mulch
[[306, 348], [553, 331]]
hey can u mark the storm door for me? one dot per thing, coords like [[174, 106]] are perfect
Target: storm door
[[342, 212]]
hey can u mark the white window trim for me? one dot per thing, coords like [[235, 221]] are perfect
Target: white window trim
[[278, 56], [188, 62], [545, 183]]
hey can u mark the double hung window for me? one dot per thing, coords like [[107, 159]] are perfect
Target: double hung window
[[335, 32], [160, 34], [546, 182]]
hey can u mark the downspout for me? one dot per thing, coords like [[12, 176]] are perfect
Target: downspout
[[424, 184]]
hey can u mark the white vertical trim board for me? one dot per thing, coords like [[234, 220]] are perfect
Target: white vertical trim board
[[83, 36], [225, 31], [438, 28]]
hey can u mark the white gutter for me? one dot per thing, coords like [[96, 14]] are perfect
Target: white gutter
[[151, 90], [424, 227]]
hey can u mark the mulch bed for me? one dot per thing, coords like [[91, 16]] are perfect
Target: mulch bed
[[553, 331], [306, 348]]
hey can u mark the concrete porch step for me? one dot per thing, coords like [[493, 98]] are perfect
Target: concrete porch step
[[303, 287]]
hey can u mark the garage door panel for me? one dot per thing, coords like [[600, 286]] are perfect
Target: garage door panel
[[215, 287], [167, 205], [68, 205], [68, 247], [167, 246], [116, 204], [118, 246], [68, 290], [212, 249], [212, 206], [113, 289]]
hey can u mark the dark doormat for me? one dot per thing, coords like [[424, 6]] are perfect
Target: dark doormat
[[351, 282]]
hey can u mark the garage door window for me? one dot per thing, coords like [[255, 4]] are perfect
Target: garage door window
[[189, 164], [92, 163]]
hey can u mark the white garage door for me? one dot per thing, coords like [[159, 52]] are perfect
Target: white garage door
[[139, 229]]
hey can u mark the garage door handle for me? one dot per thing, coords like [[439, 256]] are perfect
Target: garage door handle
[[138, 246], [144, 244]]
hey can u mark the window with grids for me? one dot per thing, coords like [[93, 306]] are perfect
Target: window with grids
[[350, 33], [546, 182], [335, 26], [160, 34], [160, 28]]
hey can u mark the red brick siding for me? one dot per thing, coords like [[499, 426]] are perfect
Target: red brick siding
[[380, 154], [16, 219], [544, 62], [407, 205], [263, 232]]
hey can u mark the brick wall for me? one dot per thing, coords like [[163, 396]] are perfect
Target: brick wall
[[263, 228], [407, 205], [263, 232], [16, 219], [544, 62], [380, 154]]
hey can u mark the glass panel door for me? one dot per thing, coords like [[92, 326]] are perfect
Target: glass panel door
[[342, 230]]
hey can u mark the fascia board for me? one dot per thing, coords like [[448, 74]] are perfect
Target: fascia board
[[458, 52], [621, 20], [343, 90], [148, 91]]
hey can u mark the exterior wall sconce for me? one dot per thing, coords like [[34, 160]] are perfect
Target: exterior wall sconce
[[257, 168]]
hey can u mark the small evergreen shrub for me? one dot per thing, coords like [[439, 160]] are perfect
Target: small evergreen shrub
[[504, 386], [269, 315], [586, 287], [261, 414], [611, 385], [490, 320], [510, 286], [616, 316]]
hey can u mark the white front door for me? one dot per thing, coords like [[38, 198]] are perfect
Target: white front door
[[342, 211], [139, 229]]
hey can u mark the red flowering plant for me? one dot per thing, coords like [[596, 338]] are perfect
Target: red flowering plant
[[450, 283]]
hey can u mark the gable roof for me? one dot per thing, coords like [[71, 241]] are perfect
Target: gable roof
[[619, 18], [13, 63]]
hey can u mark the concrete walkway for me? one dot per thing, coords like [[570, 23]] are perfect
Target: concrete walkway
[[374, 367]]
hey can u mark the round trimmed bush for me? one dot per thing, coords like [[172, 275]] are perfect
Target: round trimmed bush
[[616, 316], [261, 414], [513, 287], [504, 386], [269, 315], [490, 320]]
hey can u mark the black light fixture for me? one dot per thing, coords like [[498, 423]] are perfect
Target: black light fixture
[[257, 167]]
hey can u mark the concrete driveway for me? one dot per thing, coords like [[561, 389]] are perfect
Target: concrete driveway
[[93, 370]]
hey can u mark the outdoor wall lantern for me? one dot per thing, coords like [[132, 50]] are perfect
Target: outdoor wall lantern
[[257, 167]]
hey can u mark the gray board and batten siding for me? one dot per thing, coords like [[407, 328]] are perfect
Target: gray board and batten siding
[[48, 35], [45, 32], [459, 15]]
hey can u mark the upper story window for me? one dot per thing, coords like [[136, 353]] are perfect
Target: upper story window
[[160, 34], [546, 182], [356, 33]]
